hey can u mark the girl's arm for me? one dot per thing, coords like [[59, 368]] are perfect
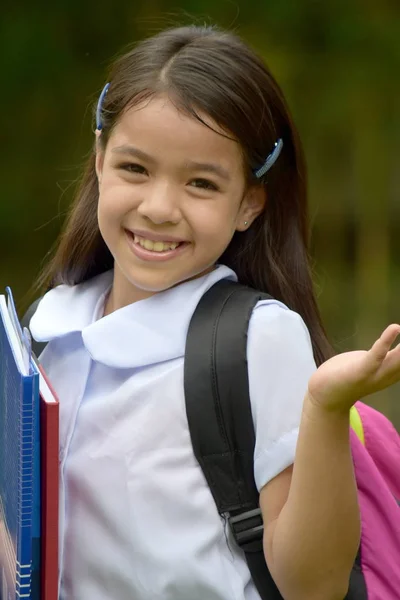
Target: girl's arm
[[311, 510], [312, 537]]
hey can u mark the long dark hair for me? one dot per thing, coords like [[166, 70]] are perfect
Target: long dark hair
[[208, 71]]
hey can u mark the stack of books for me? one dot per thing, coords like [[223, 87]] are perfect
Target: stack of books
[[29, 466]]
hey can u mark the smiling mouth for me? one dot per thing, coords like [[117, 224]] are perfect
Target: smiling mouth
[[146, 248], [154, 246]]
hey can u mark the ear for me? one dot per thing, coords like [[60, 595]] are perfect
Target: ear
[[252, 205], [99, 157]]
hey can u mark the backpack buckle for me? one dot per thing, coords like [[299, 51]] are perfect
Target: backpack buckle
[[248, 529]]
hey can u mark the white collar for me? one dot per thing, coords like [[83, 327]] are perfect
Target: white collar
[[146, 332]]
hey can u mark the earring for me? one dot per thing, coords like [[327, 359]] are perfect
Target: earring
[[246, 222]]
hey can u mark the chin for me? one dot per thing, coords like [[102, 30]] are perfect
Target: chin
[[154, 283]]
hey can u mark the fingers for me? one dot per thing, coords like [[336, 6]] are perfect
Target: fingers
[[382, 346]]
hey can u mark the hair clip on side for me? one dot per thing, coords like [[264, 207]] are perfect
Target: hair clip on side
[[270, 160], [99, 124]]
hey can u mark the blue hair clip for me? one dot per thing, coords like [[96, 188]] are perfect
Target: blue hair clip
[[99, 108], [270, 160]]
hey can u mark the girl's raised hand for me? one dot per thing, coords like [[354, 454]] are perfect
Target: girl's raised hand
[[342, 380]]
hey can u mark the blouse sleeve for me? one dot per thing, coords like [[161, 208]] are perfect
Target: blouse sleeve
[[280, 363]]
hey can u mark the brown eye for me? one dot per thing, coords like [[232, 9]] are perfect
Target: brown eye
[[133, 168], [204, 184]]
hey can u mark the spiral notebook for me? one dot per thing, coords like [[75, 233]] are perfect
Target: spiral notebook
[[28, 468]]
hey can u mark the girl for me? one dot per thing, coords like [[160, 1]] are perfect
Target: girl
[[197, 176]]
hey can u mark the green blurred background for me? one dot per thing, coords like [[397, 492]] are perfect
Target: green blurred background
[[338, 62]]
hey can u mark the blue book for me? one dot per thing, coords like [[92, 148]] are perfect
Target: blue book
[[19, 461]]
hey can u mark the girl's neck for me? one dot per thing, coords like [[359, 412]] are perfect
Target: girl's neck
[[123, 293], [115, 301]]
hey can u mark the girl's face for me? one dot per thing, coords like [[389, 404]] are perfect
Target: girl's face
[[172, 193]]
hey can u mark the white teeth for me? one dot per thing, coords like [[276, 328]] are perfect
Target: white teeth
[[155, 246]]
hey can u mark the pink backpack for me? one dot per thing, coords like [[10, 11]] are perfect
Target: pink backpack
[[375, 446]]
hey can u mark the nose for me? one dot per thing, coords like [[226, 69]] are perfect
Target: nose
[[160, 203]]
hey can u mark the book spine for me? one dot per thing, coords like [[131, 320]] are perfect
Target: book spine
[[49, 487], [36, 491], [25, 490]]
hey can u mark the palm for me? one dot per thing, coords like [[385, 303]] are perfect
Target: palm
[[347, 377]]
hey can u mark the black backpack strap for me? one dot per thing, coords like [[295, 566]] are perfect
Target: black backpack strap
[[37, 347], [219, 416]]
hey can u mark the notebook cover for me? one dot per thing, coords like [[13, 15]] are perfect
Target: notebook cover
[[49, 423], [17, 432]]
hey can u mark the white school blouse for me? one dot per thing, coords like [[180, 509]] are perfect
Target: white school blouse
[[137, 519]]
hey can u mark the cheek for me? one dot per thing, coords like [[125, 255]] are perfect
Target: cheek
[[106, 215], [115, 201], [215, 220]]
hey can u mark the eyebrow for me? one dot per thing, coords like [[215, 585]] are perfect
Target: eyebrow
[[208, 168], [214, 168], [132, 151]]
